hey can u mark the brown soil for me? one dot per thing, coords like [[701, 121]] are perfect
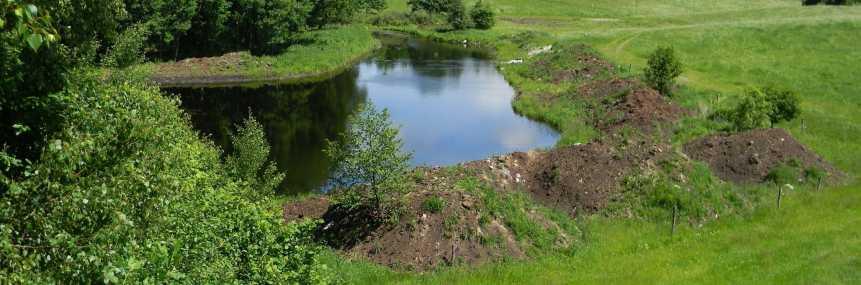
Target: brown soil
[[312, 208], [627, 103], [578, 179], [748, 157], [421, 240]]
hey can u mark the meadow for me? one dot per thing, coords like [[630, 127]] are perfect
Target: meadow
[[727, 47]]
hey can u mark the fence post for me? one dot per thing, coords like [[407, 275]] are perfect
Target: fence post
[[673, 231], [779, 194]]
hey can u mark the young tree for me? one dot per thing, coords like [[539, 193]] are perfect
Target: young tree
[[752, 112], [784, 103], [249, 161], [457, 15], [663, 68], [483, 16], [370, 169]]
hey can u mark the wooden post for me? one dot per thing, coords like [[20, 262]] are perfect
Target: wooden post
[[779, 194], [819, 184], [673, 231]]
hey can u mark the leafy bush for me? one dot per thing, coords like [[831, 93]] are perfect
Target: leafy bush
[[457, 15], [434, 204], [784, 104], [482, 16], [752, 112], [785, 173], [126, 192], [248, 163], [433, 6], [370, 170], [129, 48], [663, 68]]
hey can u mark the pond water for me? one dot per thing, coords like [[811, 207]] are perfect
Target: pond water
[[450, 103]]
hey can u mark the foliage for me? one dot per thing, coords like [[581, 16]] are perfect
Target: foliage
[[249, 162], [370, 169], [433, 204], [663, 68], [784, 104], [457, 17], [433, 6], [482, 16], [127, 193], [784, 173], [129, 48], [751, 113]]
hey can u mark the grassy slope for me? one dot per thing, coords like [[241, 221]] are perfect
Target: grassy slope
[[326, 52], [727, 46]]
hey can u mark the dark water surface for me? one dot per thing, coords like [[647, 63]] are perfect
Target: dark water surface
[[451, 105]]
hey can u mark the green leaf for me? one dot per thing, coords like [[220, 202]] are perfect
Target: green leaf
[[35, 41], [2, 23], [32, 10]]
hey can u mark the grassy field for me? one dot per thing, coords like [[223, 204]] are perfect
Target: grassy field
[[726, 46]]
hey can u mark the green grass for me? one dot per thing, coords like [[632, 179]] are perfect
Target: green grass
[[801, 243], [321, 54], [726, 46]]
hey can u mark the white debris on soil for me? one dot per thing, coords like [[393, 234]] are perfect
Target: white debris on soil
[[541, 50]]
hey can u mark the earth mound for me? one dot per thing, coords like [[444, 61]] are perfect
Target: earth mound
[[748, 157], [620, 103], [577, 180], [462, 231]]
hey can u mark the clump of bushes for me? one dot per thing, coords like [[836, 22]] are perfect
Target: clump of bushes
[[482, 16], [662, 70], [370, 171], [761, 108], [126, 192]]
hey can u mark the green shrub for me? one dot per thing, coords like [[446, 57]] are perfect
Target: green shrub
[[248, 162], [752, 112], [785, 105], [482, 16], [434, 204], [129, 48], [663, 68], [126, 192], [785, 173], [370, 170], [457, 15]]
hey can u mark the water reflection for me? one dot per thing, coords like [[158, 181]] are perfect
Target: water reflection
[[451, 104]]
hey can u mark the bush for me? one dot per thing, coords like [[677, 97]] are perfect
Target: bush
[[129, 48], [248, 163], [370, 170], [753, 112], [434, 204], [126, 192], [784, 104], [482, 16], [663, 68], [457, 16], [785, 173]]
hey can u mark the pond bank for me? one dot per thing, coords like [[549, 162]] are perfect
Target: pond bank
[[328, 53]]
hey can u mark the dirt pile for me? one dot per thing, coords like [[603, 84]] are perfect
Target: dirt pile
[[578, 179], [460, 232], [748, 157], [618, 103]]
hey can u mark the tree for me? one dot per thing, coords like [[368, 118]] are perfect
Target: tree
[[483, 16], [752, 112], [663, 68], [370, 169], [784, 103], [457, 15], [249, 161]]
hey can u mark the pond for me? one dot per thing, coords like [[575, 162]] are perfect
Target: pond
[[451, 104]]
